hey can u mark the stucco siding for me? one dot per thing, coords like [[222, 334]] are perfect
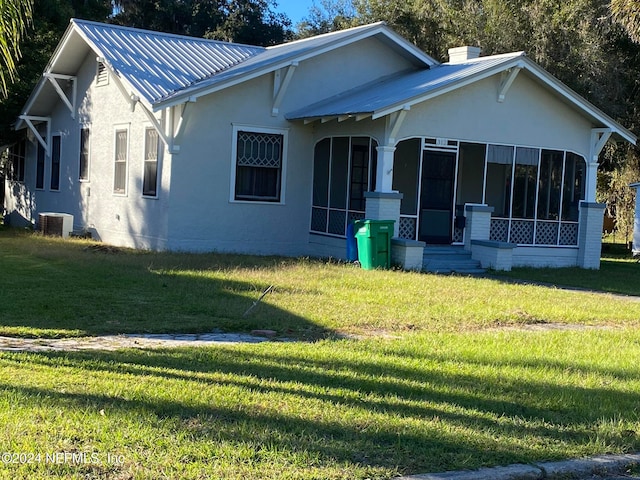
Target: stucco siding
[[203, 215], [529, 116], [545, 257]]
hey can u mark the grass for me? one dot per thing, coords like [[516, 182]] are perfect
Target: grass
[[406, 373], [619, 273]]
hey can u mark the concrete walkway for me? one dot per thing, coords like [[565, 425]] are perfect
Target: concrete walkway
[[604, 467], [115, 342]]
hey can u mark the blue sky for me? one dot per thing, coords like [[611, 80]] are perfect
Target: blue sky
[[296, 10]]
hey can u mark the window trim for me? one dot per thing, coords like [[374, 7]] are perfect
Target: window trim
[[237, 127], [116, 129], [147, 127]]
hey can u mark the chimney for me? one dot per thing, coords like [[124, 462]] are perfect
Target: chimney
[[462, 54]]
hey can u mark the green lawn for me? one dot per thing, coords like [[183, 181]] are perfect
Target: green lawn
[[405, 373]]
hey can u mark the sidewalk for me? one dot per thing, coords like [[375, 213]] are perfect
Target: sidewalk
[[604, 467], [116, 342]]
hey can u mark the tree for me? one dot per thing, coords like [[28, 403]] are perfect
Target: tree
[[15, 15], [627, 13], [243, 21]]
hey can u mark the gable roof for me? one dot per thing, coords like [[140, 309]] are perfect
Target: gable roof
[[400, 92], [165, 70]]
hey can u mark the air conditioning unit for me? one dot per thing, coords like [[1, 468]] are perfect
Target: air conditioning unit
[[56, 224]]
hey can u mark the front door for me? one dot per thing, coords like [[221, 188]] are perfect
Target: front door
[[436, 197]]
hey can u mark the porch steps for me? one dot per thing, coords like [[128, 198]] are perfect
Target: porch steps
[[450, 259]]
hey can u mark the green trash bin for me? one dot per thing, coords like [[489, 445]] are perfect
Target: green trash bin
[[374, 243]]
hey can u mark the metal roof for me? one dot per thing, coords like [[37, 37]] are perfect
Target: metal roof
[[283, 55], [402, 90], [159, 64]]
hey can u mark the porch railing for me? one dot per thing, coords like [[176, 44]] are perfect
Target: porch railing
[[534, 232]]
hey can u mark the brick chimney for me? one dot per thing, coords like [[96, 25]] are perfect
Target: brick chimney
[[462, 54]]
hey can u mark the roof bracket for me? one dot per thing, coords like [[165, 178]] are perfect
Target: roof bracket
[[599, 138], [54, 79], [507, 80], [280, 87], [28, 119], [394, 122]]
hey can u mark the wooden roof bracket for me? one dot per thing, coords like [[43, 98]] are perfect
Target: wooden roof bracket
[[599, 138], [54, 79], [280, 86], [507, 80], [394, 122], [28, 119]]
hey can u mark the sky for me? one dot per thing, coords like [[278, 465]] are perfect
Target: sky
[[296, 10]]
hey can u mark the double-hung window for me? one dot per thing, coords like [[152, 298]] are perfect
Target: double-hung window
[[40, 167], [259, 158], [55, 162], [150, 174], [121, 156], [84, 154]]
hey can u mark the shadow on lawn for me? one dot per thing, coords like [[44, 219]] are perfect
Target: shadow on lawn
[[372, 412], [68, 290]]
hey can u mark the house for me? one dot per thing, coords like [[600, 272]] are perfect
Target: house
[[636, 222], [158, 141]]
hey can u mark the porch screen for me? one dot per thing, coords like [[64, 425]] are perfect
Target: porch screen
[[498, 180], [343, 170]]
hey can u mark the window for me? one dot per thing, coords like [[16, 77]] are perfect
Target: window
[[344, 169], [40, 167], [84, 154], [258, 166], [150, 174], [16, 156], [121, 154], [55, 162]]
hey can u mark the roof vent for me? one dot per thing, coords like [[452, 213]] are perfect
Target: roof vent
[[462, 54]]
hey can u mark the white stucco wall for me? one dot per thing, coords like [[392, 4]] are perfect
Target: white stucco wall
[[201, 214], [529, 116], [636, 222], [127, 220]]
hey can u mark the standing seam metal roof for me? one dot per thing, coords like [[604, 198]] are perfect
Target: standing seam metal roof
[[400, 89], [159, 64]]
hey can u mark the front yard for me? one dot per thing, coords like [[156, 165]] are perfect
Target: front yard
[[389, 373]]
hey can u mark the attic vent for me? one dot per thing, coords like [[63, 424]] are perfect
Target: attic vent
[[102, 75], [56, 224]]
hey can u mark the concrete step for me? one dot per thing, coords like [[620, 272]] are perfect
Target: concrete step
[[450, 259]]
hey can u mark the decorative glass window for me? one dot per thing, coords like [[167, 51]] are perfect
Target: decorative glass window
[[150, 176], [344, 169], [84, 154], [55, 162], [121, 156], [258, 166], [40, 167]]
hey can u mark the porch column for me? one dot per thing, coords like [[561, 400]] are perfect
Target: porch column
[[384, 206], [384, 203], [592, 181], [384, 172], [590, 234], [477, 223]]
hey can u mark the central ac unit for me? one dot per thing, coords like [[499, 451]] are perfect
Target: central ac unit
[[56, 224]]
